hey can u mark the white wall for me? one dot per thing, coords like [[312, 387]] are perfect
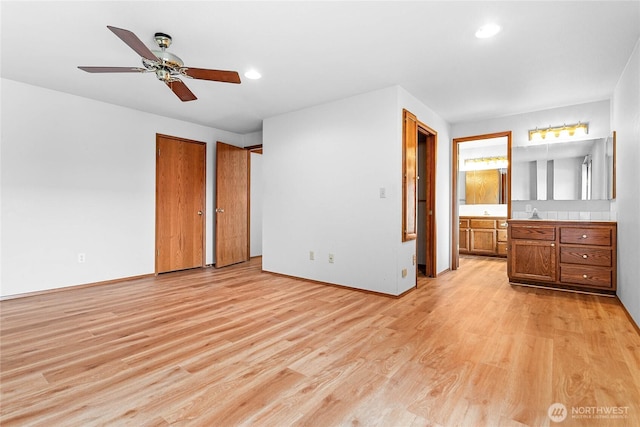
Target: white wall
[[79, 176], [252, 139], [626, 123], [255, 214], [323, 170]]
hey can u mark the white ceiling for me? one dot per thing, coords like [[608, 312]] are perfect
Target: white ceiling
[[549, 54]]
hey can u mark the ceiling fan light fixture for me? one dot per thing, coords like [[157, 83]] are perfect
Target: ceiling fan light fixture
[[163, 74], [253, 75], [487, 31]]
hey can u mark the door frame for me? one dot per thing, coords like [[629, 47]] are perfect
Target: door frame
[[203, 262], [430, 230], [455, 224]]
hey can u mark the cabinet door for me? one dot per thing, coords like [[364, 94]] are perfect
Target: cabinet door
[[483, 241], [532, 260], [464, 240]]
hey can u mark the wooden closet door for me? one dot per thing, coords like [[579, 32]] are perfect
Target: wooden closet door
[[232, 205], [180, 202]]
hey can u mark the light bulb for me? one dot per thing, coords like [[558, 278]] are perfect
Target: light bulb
[[487, 31]]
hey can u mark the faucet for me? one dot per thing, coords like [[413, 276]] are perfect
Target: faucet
[[534, 214]]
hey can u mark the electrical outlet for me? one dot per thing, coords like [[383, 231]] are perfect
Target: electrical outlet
[[331, 258], [81, 257], [312, 256], [414, 259]]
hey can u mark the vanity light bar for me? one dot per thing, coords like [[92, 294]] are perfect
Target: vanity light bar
[[564, 131], [486, 162]]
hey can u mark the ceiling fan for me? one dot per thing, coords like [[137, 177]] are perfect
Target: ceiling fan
[[167, 66]]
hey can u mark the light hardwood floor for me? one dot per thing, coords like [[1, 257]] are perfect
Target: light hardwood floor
[[242, 347]]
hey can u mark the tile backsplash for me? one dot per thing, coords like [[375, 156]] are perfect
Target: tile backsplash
[[590, 210], [567, 215]]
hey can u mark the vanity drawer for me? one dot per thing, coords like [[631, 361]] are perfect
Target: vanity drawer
[[501, 223], [585, 256], [599, 277], [464, 223], [534, 232], [599, 236], [483, 223], [502, 235]]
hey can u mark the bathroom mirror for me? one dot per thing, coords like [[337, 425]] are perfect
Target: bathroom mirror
[[567, 170]]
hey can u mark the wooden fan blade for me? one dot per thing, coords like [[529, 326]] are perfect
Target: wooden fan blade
[[113, 69], [134, 43], [181, 90], [215, 75]]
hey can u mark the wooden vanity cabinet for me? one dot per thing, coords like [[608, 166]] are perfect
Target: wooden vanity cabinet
[[483, 236], [464, 236], [501, 245], [579, 255]]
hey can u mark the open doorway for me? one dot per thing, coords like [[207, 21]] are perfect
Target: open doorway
[[472, 157], [426, 239]]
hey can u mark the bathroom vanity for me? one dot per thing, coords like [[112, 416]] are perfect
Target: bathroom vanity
[[483, 235], [574, 255]]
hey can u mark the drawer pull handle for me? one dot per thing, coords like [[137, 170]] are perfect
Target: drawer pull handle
[[584, 236], [584, 256], [584, 276], [504, 224]]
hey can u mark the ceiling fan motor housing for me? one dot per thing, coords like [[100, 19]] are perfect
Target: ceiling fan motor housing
[[168, 65], [163, 40]]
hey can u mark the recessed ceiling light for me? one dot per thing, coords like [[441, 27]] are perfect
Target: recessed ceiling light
[[487, 31], [252, 74]]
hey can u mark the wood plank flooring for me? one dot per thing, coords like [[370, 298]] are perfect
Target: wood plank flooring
[[237, 346]]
